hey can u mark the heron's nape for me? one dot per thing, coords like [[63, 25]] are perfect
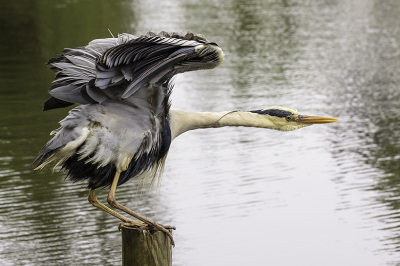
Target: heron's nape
[[123, 127]]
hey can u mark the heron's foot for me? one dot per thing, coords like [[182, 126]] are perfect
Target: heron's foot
[[144, 226], [152, 227], [133, 224]]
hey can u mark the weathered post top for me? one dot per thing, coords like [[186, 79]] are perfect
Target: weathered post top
[[145, 247]]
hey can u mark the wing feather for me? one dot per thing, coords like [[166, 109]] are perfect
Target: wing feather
[[94, 140], [68, 93], [121, 66], [148, 73]]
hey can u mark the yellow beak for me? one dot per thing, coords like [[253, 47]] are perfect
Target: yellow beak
[[309, 119]]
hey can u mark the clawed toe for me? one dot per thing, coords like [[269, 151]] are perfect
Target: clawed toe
[[157, 227], [165, 230], [132, 224], [151, 227]]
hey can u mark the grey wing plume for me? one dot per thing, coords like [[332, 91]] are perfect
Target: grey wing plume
[[94, 141], [115, 68]]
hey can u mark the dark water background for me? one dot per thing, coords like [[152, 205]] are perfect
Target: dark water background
[[324, 195]]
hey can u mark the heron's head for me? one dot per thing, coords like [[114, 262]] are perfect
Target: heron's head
[[286, 119]]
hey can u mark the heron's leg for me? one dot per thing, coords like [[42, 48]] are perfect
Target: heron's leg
[[95, 202], [113, 203]]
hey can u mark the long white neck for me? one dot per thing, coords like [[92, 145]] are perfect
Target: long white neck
[[181, 121]]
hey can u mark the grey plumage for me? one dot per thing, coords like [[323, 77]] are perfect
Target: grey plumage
[[123, 86]]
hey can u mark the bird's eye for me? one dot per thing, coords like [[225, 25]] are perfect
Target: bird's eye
[[288, 118]]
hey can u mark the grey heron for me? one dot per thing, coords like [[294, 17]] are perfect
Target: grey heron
[[123, 125]]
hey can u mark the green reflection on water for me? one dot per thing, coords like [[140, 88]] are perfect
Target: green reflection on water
[[34, 31]]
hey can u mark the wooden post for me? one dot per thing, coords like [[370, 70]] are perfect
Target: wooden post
[[145, 248]]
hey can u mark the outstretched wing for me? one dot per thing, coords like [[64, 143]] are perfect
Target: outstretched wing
[[123, 86], [116, 68]]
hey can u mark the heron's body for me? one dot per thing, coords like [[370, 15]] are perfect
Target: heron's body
[[96, 140], [123, 85], [124, 126]]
